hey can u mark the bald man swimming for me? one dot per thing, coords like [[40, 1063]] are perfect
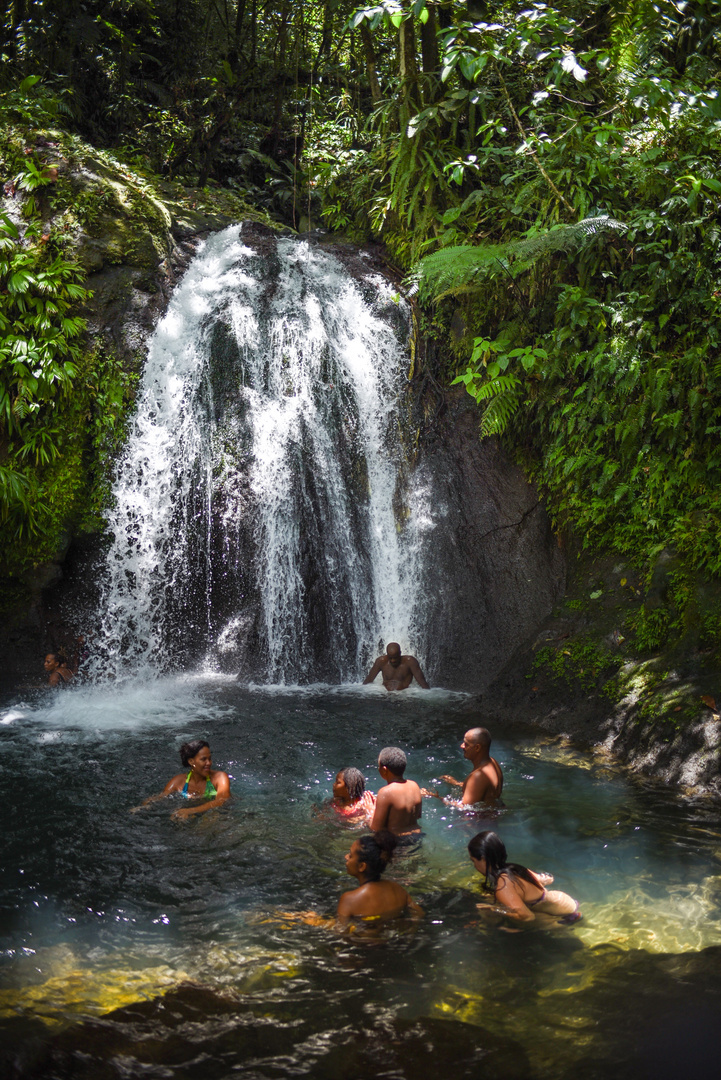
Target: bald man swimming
[[398, 671], [484, 782]]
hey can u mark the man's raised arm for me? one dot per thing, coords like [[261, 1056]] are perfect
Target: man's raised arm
[[374, 670]]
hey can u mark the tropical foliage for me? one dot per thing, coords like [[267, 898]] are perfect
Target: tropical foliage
[[547, 173]]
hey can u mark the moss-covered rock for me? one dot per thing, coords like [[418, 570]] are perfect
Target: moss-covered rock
[[626, 667], [131, 235]]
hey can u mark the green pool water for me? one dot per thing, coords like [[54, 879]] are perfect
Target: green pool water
[[135, 945]]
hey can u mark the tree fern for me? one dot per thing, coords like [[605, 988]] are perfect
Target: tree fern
[[461, 268]]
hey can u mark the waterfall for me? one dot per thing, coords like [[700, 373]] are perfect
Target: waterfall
[[263, 516]]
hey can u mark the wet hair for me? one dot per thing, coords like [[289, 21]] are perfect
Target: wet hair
[[376, 852], [395, 647], [481, 736], [489, 847], [393, 759], [189, 749], [355, 782]]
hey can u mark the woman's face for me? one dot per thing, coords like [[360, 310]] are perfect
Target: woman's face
[[354, 864], [480, 865], [51, 662], [202, 762], [340, 788]]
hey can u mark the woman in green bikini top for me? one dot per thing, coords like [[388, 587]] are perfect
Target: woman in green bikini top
[[208, 788]]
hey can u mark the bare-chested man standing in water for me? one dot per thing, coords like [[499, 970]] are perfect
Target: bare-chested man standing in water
[[484, 782], [398, 671], [398, 804]]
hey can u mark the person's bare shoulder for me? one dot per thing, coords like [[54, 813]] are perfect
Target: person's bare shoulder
[[477, 786], [176, 784]]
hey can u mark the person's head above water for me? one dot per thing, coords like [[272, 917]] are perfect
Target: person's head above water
[[490, 858], [477, 738], [369, 856], [52, 661], [349, 784], [393, 759], [190, 750], [393, 652]]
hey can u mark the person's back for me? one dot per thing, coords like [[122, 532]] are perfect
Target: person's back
[[399, 803], [376, 900]]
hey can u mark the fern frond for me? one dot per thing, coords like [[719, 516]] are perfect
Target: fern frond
[[502, 384], [497, 414], [454, 269]]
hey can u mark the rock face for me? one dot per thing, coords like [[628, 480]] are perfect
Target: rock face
[[134, 242], [493, 569], [497, 569], [588, 678]]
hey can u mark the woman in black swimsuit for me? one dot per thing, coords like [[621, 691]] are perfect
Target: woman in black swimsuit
[[518, 893]]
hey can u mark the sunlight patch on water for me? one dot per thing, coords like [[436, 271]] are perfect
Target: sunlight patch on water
[[684, 918], [59, 983]]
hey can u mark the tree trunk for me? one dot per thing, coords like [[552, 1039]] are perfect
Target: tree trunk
[[430, 56], [326, 37], [370, 58], [429, 42], [407, 69]]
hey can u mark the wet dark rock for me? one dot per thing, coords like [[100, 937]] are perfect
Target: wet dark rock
[[196, 1031], [584, 678], [496, 569]]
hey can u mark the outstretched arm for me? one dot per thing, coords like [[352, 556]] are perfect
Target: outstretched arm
[[374, 671], [417, 673], [452, 780], [172, 786]]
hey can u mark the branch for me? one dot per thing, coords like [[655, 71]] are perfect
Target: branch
[[534, 155]]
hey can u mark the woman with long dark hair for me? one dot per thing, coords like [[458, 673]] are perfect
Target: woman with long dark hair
[[200, 782], [517, 891]]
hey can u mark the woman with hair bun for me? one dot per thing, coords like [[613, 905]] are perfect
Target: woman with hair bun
[[374, 899], [201, 781], [518, 892]]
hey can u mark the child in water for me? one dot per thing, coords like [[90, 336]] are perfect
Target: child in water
[[350, 798]]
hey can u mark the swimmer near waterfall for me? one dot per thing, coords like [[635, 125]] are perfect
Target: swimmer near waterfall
[[207, 788], [397, 671]]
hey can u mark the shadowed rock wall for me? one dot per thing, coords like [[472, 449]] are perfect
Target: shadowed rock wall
[[496, 569]]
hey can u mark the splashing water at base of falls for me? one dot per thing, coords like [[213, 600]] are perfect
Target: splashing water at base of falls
[[263, 520]]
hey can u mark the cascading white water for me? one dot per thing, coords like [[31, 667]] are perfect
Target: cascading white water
[[262, 519]]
